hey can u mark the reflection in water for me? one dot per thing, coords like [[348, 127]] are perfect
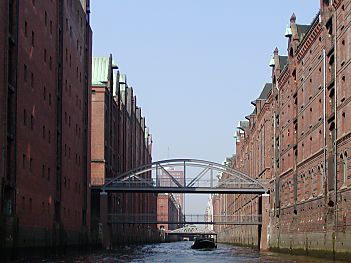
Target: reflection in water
[[181, 252]]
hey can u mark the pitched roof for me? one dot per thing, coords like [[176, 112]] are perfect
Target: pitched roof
[[100, 70], [265, 92], [100, 67], [283, 61], [302, 30]]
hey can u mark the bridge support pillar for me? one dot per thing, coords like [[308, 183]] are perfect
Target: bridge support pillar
[[263, 229], [106, 239]]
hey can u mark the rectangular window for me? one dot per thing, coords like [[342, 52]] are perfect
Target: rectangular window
[[30, 164], [23, 161], [44, 132], [25, 28], [43, 171], [32, 80], [46, 19], [51, 27], [31, 121], [25, 72], [45, 54], [49, 98], [50, 63], [49, 171], [32, 38], [24, 117], [49, 136], [44, 93]]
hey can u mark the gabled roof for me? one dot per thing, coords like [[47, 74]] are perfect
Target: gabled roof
[[100, 70], [265, 92], [100, 67], [302, 30], [283, 61]]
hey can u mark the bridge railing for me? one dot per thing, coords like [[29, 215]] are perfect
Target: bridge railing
[[166, 182], [189, 219]]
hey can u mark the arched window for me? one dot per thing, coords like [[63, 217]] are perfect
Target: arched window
[[312, 184], [321, 171], [302, 181], [344, 168]]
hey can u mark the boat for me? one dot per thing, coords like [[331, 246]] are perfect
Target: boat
[[204, 242]]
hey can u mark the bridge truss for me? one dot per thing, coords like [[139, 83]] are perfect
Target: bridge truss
[[199, 177]]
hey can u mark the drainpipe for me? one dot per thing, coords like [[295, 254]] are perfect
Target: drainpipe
[[324, 121], [336, 118]]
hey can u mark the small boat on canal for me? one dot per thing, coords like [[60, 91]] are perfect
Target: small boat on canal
[[204, 242]]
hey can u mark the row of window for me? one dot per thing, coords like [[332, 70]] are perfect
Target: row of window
[[67, 185], [46, 133], [27, 205]]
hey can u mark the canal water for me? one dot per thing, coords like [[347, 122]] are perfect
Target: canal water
[[181, 252]]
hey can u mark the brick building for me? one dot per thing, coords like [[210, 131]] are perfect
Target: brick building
[[45, 107], [168, 210], [165, 180], [307, 141], [120, 142]]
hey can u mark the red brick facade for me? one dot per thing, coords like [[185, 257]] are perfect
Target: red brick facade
[[168, 210], [298, 138], [120, 142], [46, 192], [3, 97]]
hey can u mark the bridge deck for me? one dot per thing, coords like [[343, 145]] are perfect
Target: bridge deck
[[199, 190]]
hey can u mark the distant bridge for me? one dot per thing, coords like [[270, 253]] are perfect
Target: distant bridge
[[189, 219]]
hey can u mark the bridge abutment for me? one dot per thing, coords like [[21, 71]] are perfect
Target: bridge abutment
[[105, 229]]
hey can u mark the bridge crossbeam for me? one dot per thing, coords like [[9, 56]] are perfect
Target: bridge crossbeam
[[189, 219]]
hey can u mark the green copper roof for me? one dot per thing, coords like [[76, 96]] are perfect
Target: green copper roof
[[100, 71]]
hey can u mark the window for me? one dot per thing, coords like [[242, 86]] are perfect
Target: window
[[49, 136], [25, 72], [30, 164], [44, 93], [31, 121], [32, 38], [49, 98], [51, 27], [24, 117], [44, 132], [23, 161], [32, 80], [43, 171], [25, 28], [344, 168], [49, 171], [45, 55], [46, 18], [50, 63]]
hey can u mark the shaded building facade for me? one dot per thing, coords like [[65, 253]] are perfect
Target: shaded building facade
[[45, 138], [120, 142]]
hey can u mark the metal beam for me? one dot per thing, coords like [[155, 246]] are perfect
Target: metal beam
[[198, 190], [184, 223]]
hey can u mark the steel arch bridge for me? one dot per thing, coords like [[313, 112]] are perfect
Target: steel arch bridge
[[199, 176]]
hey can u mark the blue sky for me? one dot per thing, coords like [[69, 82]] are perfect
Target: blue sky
[[195, 65]]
